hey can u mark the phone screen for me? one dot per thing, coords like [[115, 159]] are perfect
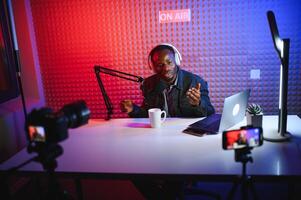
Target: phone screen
[[245, 137], [37, 134]]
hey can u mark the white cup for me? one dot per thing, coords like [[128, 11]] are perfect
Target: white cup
[[155, 119]]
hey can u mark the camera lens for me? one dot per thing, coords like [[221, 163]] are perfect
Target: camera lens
[[77, 113]]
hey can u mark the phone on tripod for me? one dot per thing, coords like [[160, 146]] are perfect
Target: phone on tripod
[[244, 137]]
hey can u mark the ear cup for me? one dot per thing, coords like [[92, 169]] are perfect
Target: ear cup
[[177, 55], [177, 59], [150, 63]]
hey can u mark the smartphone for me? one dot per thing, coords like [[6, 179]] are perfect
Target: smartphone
[[243, 137]]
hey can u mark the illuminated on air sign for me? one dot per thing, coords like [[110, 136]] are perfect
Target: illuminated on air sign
[[168, 16]]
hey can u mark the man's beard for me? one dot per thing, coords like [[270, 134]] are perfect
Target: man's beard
[[171, 76]]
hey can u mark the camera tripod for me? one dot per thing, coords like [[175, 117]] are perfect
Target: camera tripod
[[47, 154], [242, 155]]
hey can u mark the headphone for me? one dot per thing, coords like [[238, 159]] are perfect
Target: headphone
[[177, 55]]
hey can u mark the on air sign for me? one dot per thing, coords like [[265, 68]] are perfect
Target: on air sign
[[168, 16]]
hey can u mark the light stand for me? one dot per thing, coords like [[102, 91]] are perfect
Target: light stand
[[242, 155], [17, 55], [123, 75], [282, 48]]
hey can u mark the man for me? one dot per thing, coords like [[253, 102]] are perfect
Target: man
[[242, 139], [178, 92]]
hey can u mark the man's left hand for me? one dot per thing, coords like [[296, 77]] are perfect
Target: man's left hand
[[194, 95]]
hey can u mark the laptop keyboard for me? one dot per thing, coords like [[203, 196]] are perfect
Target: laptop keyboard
[[214, 126], [211, 122]]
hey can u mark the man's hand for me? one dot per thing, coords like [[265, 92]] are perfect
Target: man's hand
[[194, 95], [126, 106]]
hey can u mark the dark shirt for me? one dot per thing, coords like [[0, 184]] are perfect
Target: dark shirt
[[153, 88], [170, 106]]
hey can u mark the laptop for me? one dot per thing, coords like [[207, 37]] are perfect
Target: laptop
[[233, 112]]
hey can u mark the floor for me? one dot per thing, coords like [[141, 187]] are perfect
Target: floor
[[120, 189]]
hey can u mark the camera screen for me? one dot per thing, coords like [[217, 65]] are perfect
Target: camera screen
[[237, 139], [37, 134]]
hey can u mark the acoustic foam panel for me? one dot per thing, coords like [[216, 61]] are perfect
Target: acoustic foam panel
[[223, 41]]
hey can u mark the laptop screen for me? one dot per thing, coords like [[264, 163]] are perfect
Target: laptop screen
[[234, 109], [233, 112]]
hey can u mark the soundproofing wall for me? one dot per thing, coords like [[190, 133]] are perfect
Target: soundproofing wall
[[226, 42]]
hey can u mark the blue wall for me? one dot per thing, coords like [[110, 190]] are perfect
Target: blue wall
[[223, 42]]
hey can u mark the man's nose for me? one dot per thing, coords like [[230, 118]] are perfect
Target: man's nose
[[166, 67]]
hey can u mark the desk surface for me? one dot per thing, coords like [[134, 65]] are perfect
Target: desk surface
[[131, 147]]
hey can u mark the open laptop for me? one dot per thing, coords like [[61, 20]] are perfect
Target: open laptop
[[233, 112]]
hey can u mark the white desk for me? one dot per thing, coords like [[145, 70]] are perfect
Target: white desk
[[128, 147]]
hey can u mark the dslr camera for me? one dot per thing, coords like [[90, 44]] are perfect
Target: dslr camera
[[43, 126], [245, 137]]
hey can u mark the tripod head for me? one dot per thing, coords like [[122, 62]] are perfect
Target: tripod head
[[47, 154], [243, 155]]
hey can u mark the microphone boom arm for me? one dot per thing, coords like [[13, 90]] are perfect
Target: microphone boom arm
[[112, 72], [119, 74]]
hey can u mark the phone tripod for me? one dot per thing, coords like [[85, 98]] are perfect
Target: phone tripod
[[242, 155]]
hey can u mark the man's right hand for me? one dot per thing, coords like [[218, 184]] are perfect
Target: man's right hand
[[126, 106]]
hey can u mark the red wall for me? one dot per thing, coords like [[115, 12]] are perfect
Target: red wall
[[73, 36], [223, 41]]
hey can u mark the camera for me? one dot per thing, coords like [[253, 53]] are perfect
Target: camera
[[45, 126], [44, 129], [246, 136]]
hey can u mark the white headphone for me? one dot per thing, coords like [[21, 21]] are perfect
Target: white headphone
[[178, 57]]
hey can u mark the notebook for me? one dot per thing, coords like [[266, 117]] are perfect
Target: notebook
[[233, 112]]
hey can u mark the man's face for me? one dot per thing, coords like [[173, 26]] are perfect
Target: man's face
[[164, 65]]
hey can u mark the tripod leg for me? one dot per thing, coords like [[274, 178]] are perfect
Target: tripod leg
[[4, 188], [37, 188], [79, 189], [252, 189], [55, 192], [233, 190], [244, 189], [291, 190]]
